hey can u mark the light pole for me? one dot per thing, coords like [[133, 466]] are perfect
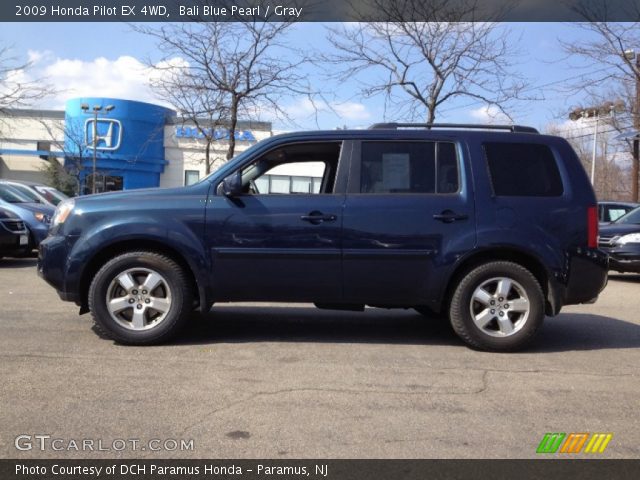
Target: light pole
[[607, 108], [630, 55], [94, 138]]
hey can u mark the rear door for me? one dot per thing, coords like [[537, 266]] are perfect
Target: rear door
[[409, 214]]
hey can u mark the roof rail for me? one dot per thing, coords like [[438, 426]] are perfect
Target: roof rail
[[429, 126]]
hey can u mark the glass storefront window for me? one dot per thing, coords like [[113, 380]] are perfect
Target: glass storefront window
[[191, 177]]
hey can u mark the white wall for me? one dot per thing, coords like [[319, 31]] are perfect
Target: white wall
[[23, 133]]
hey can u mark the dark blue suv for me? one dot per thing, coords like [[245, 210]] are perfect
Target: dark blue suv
[[493, 227]]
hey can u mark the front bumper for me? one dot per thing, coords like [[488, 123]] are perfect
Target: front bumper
[[39, 232], [11, 245], [52, 256], [14, 238], [624, 258]]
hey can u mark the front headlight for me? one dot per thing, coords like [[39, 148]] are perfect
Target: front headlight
[[629, 238], [63, 210], [42, 217]]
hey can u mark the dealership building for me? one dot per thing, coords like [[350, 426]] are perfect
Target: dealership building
[[135, 144]]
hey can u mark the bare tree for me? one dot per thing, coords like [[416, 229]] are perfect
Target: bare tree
[[16, 88], [612, 71], [67, 138], [216, 73], [420, 66], [188, 91]]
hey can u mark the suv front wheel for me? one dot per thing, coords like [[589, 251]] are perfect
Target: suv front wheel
[[497, 306], [140, 298]]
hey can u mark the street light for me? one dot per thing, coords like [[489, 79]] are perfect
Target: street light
[[607, 108], [94, 140]]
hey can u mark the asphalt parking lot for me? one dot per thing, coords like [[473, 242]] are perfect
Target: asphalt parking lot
[[271, 381]]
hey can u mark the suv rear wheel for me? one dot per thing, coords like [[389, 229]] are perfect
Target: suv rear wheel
[[140, 298], [497, 306]]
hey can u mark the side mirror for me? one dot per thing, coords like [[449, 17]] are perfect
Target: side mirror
[[232, 185]]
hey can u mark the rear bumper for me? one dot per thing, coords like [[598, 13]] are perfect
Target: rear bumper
[[586, 276]]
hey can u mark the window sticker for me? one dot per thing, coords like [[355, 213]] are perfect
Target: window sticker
[[396, 171]]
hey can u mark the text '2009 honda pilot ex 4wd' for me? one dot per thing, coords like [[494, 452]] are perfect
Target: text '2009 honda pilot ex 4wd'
[[493, 227]]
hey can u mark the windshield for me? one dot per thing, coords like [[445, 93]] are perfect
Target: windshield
[[27, 192], [11, 195], [633, 217]]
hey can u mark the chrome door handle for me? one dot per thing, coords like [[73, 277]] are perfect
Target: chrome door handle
[[449, 216], [317, 218]]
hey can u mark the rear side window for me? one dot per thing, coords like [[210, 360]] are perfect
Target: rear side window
[[409, 167], [523, 170]]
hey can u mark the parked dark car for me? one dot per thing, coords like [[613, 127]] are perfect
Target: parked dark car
[[611, 211], [493, 227], [14, 237], [621, 240], [36, 216]]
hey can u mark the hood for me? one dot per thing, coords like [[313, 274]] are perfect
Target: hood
[[611, 229], [36, 207], [131, 195], [20, 209]]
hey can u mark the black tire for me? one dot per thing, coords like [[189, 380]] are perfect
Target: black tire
[[525, 292], [174, 291]]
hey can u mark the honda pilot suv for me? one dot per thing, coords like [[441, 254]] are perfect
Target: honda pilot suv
[[493, 227]]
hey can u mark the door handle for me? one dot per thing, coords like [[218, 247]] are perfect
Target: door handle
[[317, 218], [449, 216]]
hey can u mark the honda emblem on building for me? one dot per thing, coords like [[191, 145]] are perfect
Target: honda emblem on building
[[108, 133]]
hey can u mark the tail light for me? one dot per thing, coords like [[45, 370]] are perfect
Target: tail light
[[592, 227]]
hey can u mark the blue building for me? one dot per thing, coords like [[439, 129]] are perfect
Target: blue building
[[129, 141]]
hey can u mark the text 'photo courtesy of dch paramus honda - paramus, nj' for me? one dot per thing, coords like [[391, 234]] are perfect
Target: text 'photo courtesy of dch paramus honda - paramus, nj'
[[491, 227]]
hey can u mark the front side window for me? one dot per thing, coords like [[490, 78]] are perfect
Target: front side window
[[113, 183], [306, 168], [523, 170], [296, 177], [409, 167]]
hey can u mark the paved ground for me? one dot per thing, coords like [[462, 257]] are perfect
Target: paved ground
[[265, 381]]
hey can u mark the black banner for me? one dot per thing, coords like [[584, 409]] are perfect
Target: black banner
[[317, 10], [318, 469]]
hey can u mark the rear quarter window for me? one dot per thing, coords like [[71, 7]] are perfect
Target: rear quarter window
[[523, 170]]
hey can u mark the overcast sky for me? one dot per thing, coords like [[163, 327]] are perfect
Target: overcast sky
[[105, 59]]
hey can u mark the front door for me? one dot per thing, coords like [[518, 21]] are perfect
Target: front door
[[281, 238]]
